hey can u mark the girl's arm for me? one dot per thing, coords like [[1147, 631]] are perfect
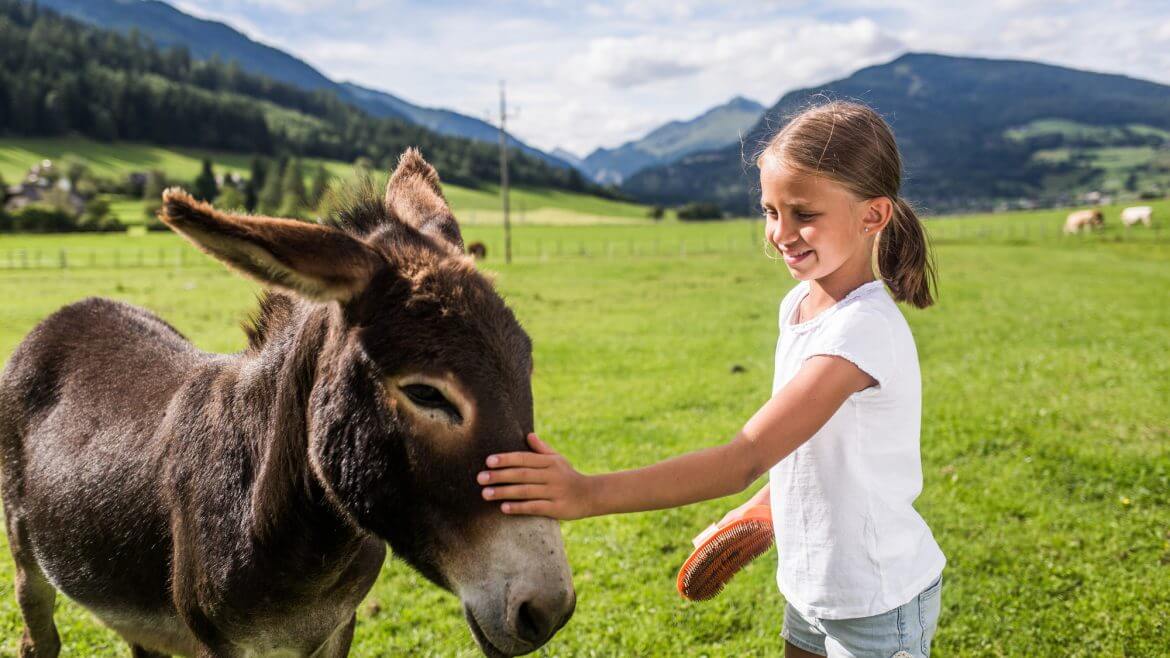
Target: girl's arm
[[544, 483]]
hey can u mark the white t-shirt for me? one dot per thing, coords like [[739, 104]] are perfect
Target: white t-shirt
[[850, 542]]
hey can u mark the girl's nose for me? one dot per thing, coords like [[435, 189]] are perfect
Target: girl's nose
[[785, 233]]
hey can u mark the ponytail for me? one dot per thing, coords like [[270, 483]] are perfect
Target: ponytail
[[904, 259]]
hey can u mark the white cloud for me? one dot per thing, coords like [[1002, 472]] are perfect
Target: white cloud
[[604, 72]]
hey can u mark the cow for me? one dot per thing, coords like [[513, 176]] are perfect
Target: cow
[[1084, 220], [1137, 215]]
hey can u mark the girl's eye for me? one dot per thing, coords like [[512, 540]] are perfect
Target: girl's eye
[[806, 216]]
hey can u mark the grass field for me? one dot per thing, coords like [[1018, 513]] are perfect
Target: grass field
[[1046, 426], [476, 205]]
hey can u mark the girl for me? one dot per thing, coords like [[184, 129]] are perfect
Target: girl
[[859, 568]]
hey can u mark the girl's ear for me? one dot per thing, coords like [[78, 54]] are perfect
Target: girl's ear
[[877, 214], [318, 262]]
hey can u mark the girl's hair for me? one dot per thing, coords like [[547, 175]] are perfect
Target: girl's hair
[[850, 144]]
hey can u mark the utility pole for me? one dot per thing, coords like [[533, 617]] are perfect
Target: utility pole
[[504, 174]]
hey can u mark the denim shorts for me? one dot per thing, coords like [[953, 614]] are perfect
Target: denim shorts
[[904, 632]]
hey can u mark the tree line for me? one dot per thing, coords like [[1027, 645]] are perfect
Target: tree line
[[60, 77]]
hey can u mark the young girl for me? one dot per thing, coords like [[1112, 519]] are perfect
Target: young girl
[[859, 568]]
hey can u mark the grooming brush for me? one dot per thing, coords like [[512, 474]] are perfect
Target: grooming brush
[[724, 549]]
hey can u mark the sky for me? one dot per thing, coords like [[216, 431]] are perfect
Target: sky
[[586, 74]]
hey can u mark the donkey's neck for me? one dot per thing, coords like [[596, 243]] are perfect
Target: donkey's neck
[[287, 502]]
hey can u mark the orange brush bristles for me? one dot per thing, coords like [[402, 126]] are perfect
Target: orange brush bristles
[[722, 551]]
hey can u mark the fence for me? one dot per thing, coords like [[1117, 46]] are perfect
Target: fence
[[544, 247]]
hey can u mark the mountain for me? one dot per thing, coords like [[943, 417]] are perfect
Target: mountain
[[206, 39], [713, 129], [61, 77], [444, 122], [972, 131], [571, 158]]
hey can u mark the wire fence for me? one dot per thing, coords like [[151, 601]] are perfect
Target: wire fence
[[546, 248]]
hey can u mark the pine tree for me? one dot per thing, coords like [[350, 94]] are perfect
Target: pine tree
[[270, 194], [292, 186], [254, 184], [205, 187], [229, 198], [319, 187], [156, 182]]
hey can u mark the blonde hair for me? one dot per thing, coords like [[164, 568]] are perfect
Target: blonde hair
[[850, 144]]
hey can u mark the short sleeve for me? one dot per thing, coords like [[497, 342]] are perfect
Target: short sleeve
[[793, 296], [863, 337]]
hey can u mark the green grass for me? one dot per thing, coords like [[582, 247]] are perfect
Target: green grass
[[477, 205], [1045, 444], [1075, 130]]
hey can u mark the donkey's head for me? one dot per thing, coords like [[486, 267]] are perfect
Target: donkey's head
[[424, 373]]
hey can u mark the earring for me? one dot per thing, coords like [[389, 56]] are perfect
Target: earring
[[773, 253], [867, 229]]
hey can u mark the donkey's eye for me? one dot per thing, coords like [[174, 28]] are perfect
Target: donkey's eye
[[429, 397]]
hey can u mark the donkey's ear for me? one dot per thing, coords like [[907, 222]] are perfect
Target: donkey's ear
[[413, 196], [315, 261]]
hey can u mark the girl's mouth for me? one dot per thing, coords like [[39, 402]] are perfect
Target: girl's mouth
[[796, 256]]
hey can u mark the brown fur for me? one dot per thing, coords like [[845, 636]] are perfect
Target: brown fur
[[1087, 220], [213, 505]]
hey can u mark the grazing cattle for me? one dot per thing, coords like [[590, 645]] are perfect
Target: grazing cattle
[[1137, 215], [1083, 220], [477, 250], [218, 505]]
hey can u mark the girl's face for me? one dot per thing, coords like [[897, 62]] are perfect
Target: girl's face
[[818, 225]]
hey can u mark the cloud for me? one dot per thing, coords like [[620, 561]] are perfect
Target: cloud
[[603, 72], [624, 63]]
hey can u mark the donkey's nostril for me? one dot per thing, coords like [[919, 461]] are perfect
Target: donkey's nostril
[[529, 624]]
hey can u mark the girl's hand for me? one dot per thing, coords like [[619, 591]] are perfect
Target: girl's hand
[[541, 483]]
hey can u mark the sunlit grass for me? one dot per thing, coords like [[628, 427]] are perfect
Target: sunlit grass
[[1046, 428]]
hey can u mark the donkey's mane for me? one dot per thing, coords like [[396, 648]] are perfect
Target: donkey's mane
[[359, 209], [275, 310]]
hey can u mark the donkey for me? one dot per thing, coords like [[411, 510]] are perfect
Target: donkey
[[239, 505]]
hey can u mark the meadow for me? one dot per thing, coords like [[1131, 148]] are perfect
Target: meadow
[[1045, 442], [475, 205]]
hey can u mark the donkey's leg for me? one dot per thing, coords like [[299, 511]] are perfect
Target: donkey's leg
[[137, 651], [35, 596]]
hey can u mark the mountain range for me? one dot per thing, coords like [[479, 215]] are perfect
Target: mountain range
[[205, 39], [973, 132], [715, 128]]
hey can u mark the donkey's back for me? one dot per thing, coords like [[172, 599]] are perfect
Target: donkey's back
[[80, 402]]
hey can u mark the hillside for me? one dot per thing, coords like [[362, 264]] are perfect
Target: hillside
[[444, 122], [478, 205], [206, 39], [61, 77], [972, 132], [713, 129]]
